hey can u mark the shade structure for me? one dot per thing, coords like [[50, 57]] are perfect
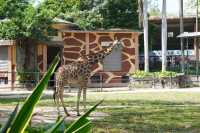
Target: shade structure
[[189, 35]]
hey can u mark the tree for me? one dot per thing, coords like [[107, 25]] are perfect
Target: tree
[[146, 45], [27, 24], [119, 14], [94, 14], [87, 19], [190, 6], [164, 36]]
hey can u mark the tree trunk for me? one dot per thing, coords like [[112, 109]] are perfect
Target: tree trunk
[[26, 61], [146, 45], [31, 55], [164, 36], [140, 13], [181, 39]]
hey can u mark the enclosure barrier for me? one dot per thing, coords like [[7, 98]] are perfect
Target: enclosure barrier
[[28, 80]]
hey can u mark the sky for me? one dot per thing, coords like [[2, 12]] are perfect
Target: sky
[[172, 6]]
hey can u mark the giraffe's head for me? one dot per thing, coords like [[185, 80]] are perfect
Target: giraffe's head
[[115, 45]]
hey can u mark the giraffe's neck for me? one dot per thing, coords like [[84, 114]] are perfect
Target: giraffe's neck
[[99, 56]]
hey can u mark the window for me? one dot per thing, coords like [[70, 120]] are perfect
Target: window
[[170, 34], [112, 62], [4, 59]]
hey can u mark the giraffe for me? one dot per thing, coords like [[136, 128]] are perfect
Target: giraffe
[[79, 73]]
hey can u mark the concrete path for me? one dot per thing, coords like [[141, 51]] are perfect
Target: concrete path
[[47, 115]]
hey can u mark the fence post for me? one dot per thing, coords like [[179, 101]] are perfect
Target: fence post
[[171, 80], [154, 82], [101, 82]]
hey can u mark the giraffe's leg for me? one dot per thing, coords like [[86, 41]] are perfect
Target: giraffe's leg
[[56, 101], [69, 88], [78, 101], [61, 95], [84, 97], [56, 96]]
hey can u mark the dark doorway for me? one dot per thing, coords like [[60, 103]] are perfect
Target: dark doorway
[[52, 51]]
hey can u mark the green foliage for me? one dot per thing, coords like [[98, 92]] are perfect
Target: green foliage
[[165, 74], [94, 14], [90, 4], [55, 127], [119, 14], [82, 125], [27, 21], [87, 19], [12, 8], [27, 75], [25, 113], [141, 74], [10, 120], [8, 30], [21, 120]]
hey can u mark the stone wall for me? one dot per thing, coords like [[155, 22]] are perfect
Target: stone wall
[[80, 43]]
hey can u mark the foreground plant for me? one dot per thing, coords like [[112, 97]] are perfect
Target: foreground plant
[[18, 121]]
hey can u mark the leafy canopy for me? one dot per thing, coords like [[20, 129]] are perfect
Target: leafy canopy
[[94, 14], [21, 19], [24, 20]]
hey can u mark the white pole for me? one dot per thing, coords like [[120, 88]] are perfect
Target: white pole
[[146, 47], [181, 39], [196, 40], [164, 36]]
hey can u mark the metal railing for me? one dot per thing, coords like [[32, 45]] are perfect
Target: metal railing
[[28, 80]]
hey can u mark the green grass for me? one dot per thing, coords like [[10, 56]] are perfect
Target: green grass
[[146, 112]]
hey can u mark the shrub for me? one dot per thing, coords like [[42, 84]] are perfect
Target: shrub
[[141, 74], [165, 74]]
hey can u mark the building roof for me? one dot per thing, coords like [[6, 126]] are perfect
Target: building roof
[[105, 31], [173, 20], [158, 18], [189, 35], [60, 24]]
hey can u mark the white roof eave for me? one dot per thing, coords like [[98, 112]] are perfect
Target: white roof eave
[[189, 35]]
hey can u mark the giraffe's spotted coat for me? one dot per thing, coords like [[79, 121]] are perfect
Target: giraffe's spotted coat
[[78, 73]]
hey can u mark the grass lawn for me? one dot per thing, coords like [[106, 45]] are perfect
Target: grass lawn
[[144, 112]]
